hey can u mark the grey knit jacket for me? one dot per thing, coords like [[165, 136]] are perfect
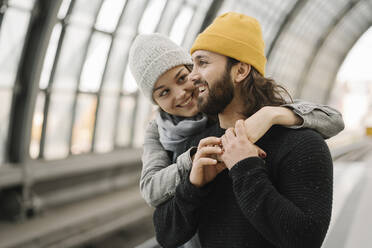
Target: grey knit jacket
[[160, 177]]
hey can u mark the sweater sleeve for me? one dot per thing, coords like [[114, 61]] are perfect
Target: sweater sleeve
[[297, 212], [177, 219], [324, 119], [159, 177]]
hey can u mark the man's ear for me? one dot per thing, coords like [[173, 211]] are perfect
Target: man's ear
[[242, 71]]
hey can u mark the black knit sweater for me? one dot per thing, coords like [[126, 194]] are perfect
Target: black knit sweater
[[284, 201]]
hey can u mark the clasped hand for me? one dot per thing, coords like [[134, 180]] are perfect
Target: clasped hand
[[237, 146], [216, 154], [206, 166]]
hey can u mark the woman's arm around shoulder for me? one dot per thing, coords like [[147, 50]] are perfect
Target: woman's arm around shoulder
[[322, 118], [299, 114]]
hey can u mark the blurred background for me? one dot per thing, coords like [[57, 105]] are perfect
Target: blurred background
[[72, 120]]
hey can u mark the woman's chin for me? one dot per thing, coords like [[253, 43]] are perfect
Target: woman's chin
[[190, 113]]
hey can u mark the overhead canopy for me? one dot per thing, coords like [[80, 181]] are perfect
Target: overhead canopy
[[307, 41], [65, 61]]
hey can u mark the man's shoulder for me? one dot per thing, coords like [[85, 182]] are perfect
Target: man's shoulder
[[294, 137], [284, 144], [302, 132]]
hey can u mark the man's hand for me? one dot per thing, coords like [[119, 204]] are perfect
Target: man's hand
[[237, 146], [205, 166]]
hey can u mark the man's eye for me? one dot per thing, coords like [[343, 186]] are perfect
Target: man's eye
[[163, 93], [202, 62]]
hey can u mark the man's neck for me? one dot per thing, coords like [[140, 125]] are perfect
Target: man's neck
[[231, 114]]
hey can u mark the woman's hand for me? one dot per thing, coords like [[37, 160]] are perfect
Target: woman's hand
[[261, 121], [236, 146], [205, 166]]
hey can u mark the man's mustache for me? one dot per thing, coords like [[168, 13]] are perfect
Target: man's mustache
[[200, 82]]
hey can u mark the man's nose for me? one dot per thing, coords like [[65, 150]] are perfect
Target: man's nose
[[194, 75], [189, 85]]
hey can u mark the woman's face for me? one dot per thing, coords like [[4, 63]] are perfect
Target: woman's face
[[175, 94]]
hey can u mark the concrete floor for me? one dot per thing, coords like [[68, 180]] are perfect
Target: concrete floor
[[352, 202], [130, 237]]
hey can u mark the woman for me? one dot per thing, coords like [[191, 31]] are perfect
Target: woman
[[161, 70]]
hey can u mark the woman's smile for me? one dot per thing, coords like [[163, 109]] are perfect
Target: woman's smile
[[188, 102]]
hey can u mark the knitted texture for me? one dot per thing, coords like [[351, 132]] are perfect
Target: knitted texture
[[284, 201], [150, 56], [234, 35]]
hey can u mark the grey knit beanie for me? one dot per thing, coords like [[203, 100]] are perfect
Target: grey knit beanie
[[150, 56]]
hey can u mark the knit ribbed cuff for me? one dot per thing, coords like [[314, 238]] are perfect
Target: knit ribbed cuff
[[192, 194], [248, 165], [184, 162]]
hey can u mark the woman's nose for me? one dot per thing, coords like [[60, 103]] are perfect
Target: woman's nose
[[181, 92]]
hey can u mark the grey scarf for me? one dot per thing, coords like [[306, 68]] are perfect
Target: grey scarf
[[173, 130]]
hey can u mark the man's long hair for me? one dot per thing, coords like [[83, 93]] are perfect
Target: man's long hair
[[257, 91]]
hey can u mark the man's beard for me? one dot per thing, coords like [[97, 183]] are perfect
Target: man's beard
[[219, 95]]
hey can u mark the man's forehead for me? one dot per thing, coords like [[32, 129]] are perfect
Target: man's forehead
[[205, 54]]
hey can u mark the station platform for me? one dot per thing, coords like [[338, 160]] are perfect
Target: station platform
[[351, 221], [77, 225]]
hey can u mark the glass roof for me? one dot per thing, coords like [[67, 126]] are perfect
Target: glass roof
[[87, 46]]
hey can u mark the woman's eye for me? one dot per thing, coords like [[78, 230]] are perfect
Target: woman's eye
[[163, 93], [182, 78]]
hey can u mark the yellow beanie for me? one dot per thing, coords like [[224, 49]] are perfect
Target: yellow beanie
[[234, 35]]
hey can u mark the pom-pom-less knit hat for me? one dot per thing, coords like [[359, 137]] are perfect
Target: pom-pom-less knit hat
[[237, 36], [150, 56]]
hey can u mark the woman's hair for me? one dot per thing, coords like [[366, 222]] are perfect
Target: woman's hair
[[257, 91]]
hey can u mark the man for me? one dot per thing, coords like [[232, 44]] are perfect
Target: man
[[283, 200]]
